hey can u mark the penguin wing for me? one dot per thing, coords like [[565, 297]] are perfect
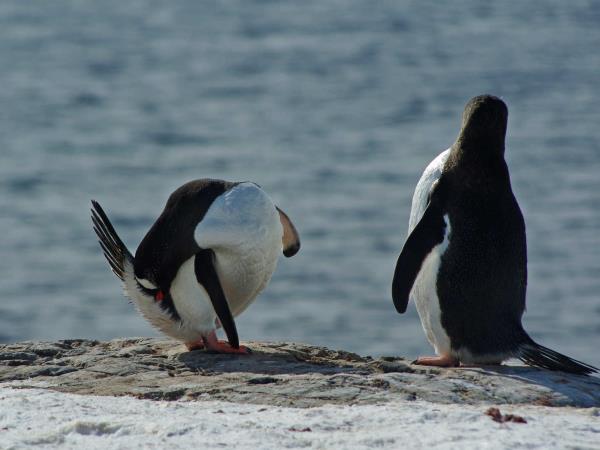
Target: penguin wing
[[207, 276], [427, 233], [291, 239]]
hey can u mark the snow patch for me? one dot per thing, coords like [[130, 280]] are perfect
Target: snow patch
[[38, 417]]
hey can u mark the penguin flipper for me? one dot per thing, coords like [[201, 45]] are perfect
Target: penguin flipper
[[115, 251], [291, 239], [206, 275], [424, 237]]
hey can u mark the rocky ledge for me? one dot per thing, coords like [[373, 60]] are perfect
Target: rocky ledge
[[284, 374]]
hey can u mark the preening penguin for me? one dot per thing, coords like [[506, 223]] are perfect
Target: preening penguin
[[209, 254], [464, 262]]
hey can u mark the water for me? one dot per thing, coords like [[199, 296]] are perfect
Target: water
[[334, 107]]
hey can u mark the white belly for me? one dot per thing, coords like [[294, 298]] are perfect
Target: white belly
[[424, 294], [424, 291], [243, 228], [193, 305]]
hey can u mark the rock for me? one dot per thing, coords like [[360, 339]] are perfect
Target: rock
[[286, 374]]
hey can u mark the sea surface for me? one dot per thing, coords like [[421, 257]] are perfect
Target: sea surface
[[334, 107]]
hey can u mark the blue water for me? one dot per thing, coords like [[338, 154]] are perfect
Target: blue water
[[334, 107]]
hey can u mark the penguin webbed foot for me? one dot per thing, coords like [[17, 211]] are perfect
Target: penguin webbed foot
[[225, 347], [213, 345], [437, 361]]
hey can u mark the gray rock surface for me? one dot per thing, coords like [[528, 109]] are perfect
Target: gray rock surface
[[286, 374]]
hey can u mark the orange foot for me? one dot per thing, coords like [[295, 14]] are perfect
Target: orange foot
[[212, 344], [438, 361]]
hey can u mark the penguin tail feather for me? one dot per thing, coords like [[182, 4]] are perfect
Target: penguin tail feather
[[537, 355], [115, 251]]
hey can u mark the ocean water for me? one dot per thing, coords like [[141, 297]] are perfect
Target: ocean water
[[334, 107]]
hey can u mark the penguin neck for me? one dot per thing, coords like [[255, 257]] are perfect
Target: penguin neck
[[478, 163], [477, 141], [481, 136], [481, 150]]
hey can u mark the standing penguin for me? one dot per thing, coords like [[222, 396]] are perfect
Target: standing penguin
[[465, 260], [206, 258]]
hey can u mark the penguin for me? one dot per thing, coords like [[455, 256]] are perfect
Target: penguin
[[464, 262], [209, 254]]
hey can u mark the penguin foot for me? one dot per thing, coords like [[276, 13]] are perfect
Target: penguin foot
[[225, 347], [438, 361], [212, 344]]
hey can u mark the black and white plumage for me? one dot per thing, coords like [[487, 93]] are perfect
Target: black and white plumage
[[464, 262], [209, 254]]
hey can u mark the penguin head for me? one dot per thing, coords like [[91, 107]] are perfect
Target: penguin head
[[147, 280], [149, 286], [484, 123]]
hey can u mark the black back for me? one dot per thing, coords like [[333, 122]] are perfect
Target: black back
[[170, 242], [482, 278]]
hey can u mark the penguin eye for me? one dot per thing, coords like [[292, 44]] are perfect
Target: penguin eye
[[146, 284], [144, 289]]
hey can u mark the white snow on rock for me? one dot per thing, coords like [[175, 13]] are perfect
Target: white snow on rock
[[37, 418]]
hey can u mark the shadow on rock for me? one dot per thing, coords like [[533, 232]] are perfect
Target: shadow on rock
[[581, 390], [274, 359]]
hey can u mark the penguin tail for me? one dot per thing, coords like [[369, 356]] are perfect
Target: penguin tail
[[537, 355], [115, 251]]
